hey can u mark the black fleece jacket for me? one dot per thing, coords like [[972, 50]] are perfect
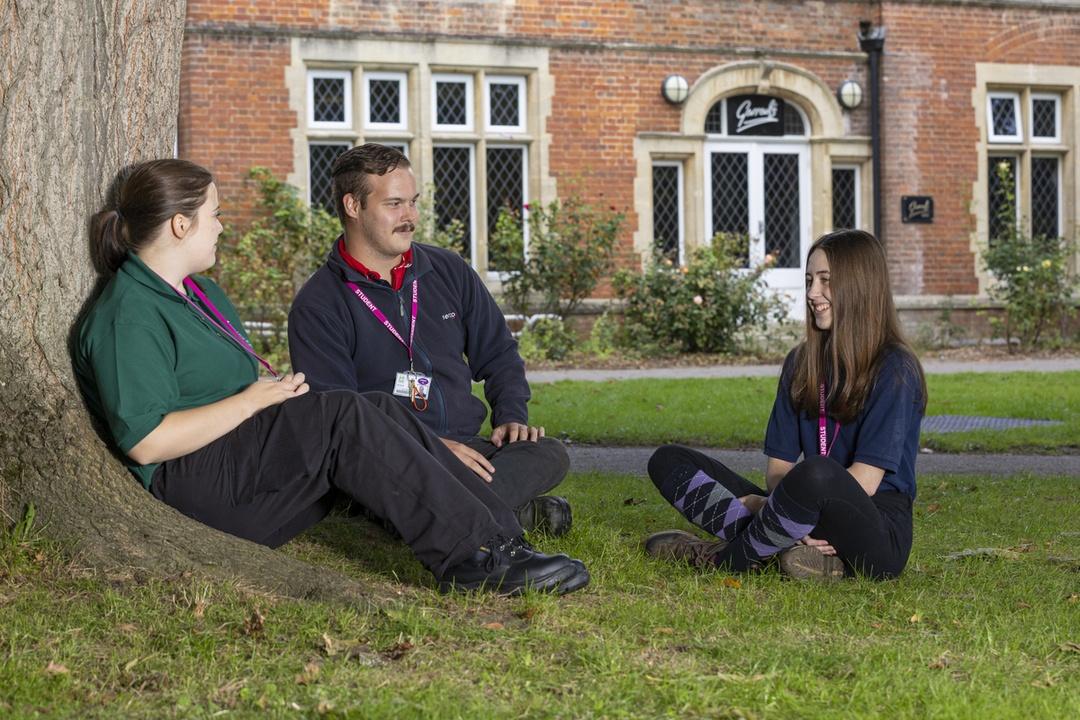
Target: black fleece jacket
[[461, 336]]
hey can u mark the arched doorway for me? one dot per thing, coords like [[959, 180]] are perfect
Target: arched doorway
[[757, 185]]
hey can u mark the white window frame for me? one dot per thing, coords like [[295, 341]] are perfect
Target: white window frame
[[345, 75], [857, 190], [321, 141], [468, 81], [403, 92], [472, 190], [505, 80], [993, 137], [1056, 98], [681, 204]]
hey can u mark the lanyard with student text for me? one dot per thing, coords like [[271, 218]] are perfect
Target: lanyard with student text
[[222, 323], [419, 400], [824, 448], [386, 322]]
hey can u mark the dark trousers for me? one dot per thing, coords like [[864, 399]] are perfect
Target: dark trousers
[[276, 474], [524, 469], [871, 533]]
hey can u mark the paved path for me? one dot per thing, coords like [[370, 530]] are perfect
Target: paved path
[[632, 460], [721, 371]]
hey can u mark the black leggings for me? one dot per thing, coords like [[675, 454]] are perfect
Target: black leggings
[[871, 534]]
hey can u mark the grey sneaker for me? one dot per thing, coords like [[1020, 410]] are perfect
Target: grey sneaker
[[549, 514], [804, 562], [684, 547]]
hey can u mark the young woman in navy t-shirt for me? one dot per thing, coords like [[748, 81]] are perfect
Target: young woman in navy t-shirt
[[850, 401]]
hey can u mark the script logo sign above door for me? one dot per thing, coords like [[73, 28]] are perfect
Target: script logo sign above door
[[755, 115]]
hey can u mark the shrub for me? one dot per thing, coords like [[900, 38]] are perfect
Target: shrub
[[1031, 276], [570, 249], [262, 269], [704, 306], [546, 338]]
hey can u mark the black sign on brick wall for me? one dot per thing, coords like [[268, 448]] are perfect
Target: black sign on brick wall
[[917, 209], [755, 115]]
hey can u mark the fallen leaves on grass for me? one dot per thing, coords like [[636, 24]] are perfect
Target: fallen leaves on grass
[[310, 674], [633, 501], [916, 618], [493, 626], [932, 508], [732, 582], [398, 650], [942, 662], [254, 623], [55, 668], [1070, 647]]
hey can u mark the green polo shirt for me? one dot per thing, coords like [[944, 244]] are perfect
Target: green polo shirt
[[144, 352]]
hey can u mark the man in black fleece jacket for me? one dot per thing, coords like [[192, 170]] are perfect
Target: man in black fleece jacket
[[384, 313]]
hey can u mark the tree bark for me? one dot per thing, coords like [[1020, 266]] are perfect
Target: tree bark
[[86, 88]]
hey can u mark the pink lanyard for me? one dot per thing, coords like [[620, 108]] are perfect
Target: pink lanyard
[[222, 323], [386, 323], [823, 447]]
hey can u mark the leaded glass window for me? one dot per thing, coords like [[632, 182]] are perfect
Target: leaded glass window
[[667, 209], [452, 102], [1002, 195], [505, 189], [714, 120], [782, 227], [505, 103], [321, 158], [1044, 118], [329, 99], [386, 100], [844, 198], [452, 175], [1003, 114], [730, 195], [1045, 197]]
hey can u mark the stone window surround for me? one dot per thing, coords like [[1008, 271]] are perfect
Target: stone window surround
[[826, 136], [1026, 80], [425, 60]]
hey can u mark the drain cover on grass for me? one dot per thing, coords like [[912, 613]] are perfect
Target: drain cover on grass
[[961, 423]]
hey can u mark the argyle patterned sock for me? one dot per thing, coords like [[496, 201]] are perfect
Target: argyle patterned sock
[[705, 502], [779, 525]]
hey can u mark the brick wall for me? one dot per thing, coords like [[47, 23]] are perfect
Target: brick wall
[[607, 59]]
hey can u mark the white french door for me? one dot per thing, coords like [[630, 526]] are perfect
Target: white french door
[[761, 191]]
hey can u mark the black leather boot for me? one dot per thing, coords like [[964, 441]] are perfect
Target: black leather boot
[[511, 566]]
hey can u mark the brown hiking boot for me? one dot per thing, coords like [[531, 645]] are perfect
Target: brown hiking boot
[[804, 562], [684, 547]]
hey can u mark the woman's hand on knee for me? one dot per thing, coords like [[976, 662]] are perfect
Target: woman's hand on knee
[[821, 545], [263, 393]]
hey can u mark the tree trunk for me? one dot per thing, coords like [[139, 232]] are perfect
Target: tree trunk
[[86, 88]]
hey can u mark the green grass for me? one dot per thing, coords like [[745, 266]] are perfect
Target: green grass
[[992, 636], [733, 412]]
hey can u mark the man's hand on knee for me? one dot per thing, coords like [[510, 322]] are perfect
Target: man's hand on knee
[[513, 432], [471, 459]]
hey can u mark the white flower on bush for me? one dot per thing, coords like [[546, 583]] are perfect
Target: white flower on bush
[[698, 299]]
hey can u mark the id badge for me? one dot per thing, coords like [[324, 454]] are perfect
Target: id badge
[[405, 379]]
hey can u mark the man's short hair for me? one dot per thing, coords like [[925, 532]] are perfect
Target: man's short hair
[[351, 169]]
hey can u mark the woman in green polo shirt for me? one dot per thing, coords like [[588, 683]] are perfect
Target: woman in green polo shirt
[[164, 361]]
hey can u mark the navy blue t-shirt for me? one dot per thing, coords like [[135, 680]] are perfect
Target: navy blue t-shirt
[[885, 434]]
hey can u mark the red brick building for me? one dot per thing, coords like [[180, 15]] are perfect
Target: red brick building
[[521, 101]]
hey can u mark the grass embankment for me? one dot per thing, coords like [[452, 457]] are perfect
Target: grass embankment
[[733, 412], [993, 635]]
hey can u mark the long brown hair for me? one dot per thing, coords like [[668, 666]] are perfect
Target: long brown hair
[[864, 326], [142, 197]]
